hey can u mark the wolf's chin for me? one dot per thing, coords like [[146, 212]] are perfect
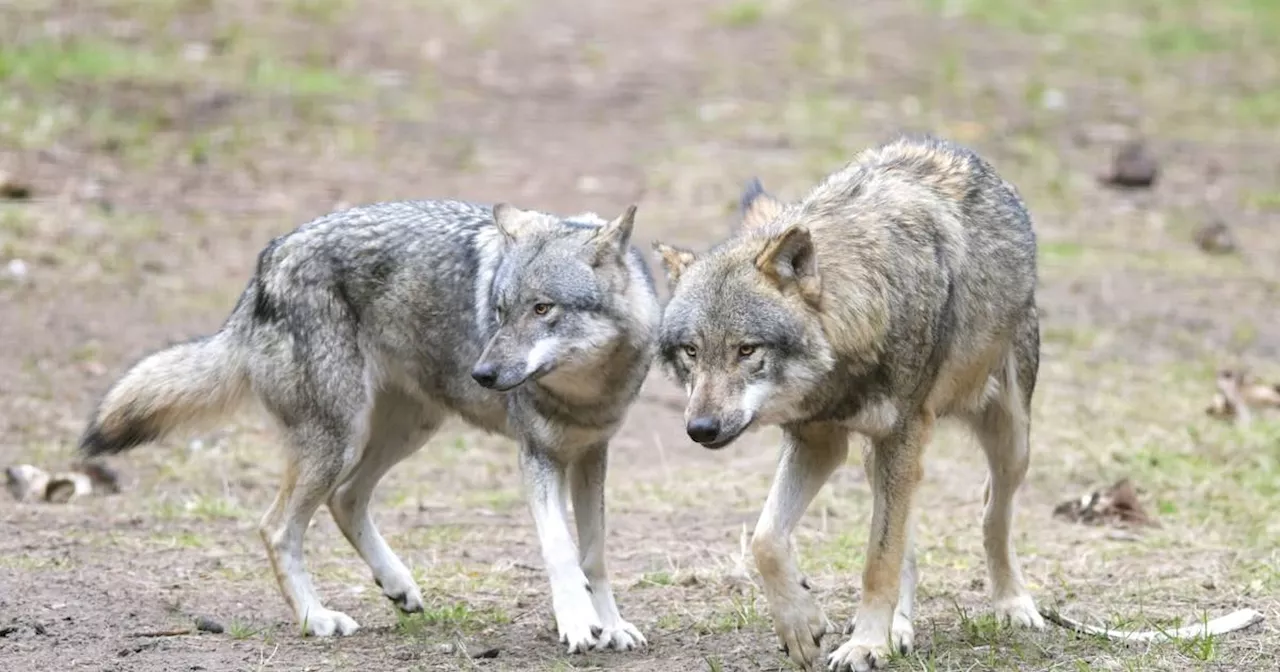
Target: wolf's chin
[[725, 440]]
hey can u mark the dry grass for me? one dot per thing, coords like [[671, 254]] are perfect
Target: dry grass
[[167, 142]]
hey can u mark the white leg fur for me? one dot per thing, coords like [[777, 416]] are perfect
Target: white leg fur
[[576, 619], [587, 479], [399, 429]]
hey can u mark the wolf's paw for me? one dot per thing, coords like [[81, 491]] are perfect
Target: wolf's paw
[[403, 593], [577, 621], [902, 635], [1019, 611], [326, 623], [621, 636], [800, 625], [859, 654]]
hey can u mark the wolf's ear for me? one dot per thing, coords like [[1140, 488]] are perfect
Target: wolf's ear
[[758, 207], [789, 260], [615, 236], [675, 261], [509, 219]]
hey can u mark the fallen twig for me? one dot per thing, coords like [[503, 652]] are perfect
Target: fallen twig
[[163, 633], [1236, 620]]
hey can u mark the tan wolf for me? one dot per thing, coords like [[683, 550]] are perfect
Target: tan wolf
[[899, 291]]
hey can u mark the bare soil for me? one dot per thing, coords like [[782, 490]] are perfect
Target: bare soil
[[165, 142]]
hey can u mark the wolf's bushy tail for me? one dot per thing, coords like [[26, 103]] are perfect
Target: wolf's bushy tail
[[178, 387]]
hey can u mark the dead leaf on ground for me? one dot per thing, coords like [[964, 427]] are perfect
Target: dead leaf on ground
[[1237, 398], [1116, 505], [13, 189], [1215, 237]]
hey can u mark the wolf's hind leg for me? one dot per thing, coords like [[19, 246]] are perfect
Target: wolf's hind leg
[[398, 427], [1003, 430], [315, 465], [586, 483]]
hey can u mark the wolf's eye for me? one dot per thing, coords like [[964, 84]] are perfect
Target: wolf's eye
[[691, 351], [745, 351], [541, 308]]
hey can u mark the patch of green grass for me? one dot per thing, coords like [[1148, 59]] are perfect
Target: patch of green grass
[[456, 616], [650, 579], [739, 14], [1058, 252], [1072, 337], [46, 63], [200, 507], [498, 499], [742, 612], [1263, 200], [668, 621], [826, 42], [324, 12], [241, 630], [1257, 108], [189, 540], [270, 75], [1163, 27], [843, 553], [249, 65], [429, 536]]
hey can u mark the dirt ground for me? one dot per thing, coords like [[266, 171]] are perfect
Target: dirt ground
[[164, 142]]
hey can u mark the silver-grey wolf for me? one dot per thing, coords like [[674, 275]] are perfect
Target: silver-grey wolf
[[900, 290], [363, 330]]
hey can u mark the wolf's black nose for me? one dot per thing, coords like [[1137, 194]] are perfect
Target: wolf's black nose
[[485, 374], [703, 430]]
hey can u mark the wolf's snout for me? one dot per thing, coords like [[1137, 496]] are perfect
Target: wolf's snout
[[486, 374], [704, 429]]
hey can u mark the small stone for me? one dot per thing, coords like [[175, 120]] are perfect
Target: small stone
[[1053, 99], [1133, 167], [196, 52], [1215, 237], [206, 624], [488, 653], [17, 269], [11, 189]]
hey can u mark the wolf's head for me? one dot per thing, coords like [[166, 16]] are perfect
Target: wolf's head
[[563, 298], [742, 330]]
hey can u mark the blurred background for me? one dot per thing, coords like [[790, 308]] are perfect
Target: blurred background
[[150, 148]]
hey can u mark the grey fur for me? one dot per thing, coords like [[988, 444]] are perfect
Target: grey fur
[[363, 330], [901, 289]]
